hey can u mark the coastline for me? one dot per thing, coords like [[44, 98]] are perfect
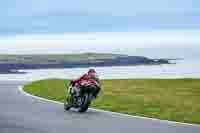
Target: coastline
[[12, 72], [12, 63]]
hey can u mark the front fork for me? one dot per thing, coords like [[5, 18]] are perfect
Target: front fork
[[73, 95]]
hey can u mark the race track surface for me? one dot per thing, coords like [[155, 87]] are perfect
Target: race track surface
[[23, 114]]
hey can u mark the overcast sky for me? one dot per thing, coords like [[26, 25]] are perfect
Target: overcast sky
[[152, 23], [119, 7], [99, 42], [59, 16]]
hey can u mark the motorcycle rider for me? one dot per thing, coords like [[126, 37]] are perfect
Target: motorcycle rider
[[90, 75]]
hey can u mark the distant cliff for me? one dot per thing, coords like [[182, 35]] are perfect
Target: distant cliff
[[16, 62]]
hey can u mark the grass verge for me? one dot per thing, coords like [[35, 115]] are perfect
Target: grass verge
[[168, 99]]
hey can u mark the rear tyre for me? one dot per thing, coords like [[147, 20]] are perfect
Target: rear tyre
[[86, 103]]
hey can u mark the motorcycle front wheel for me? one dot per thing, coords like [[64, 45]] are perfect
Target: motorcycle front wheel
[[67, 104]]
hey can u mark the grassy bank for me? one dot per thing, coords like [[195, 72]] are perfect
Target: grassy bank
[[169, 99]]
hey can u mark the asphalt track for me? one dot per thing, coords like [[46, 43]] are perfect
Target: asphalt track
[[23, 114]]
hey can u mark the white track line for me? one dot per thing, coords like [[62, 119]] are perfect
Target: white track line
[[109, 112]]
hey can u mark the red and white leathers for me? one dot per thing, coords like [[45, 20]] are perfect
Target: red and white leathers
[[87, 79]]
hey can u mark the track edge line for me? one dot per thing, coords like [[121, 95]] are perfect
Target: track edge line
[[20, 88]]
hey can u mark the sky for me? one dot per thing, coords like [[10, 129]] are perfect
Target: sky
[[112, 7], [66, 26], [50, 16], [166, 44]]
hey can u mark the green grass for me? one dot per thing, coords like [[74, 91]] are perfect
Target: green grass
[[169, 99]]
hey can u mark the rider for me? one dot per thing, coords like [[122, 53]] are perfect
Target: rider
[[90, 75]]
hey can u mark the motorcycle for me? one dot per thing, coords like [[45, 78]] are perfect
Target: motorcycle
[[80, 96]]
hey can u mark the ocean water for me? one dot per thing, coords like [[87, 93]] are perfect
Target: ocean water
[[182, 69]]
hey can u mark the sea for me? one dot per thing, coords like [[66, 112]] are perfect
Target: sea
[[182, 69]]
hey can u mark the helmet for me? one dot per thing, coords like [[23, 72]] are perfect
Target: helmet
[[91, 72]]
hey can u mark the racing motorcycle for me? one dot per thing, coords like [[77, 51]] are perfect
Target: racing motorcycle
[[81, 95]]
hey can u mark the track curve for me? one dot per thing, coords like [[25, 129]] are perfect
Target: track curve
[[23, 114]]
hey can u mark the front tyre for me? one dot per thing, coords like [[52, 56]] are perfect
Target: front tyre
[[67, 104]]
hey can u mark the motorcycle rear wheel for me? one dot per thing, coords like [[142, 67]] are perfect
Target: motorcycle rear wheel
[[86, 103]]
